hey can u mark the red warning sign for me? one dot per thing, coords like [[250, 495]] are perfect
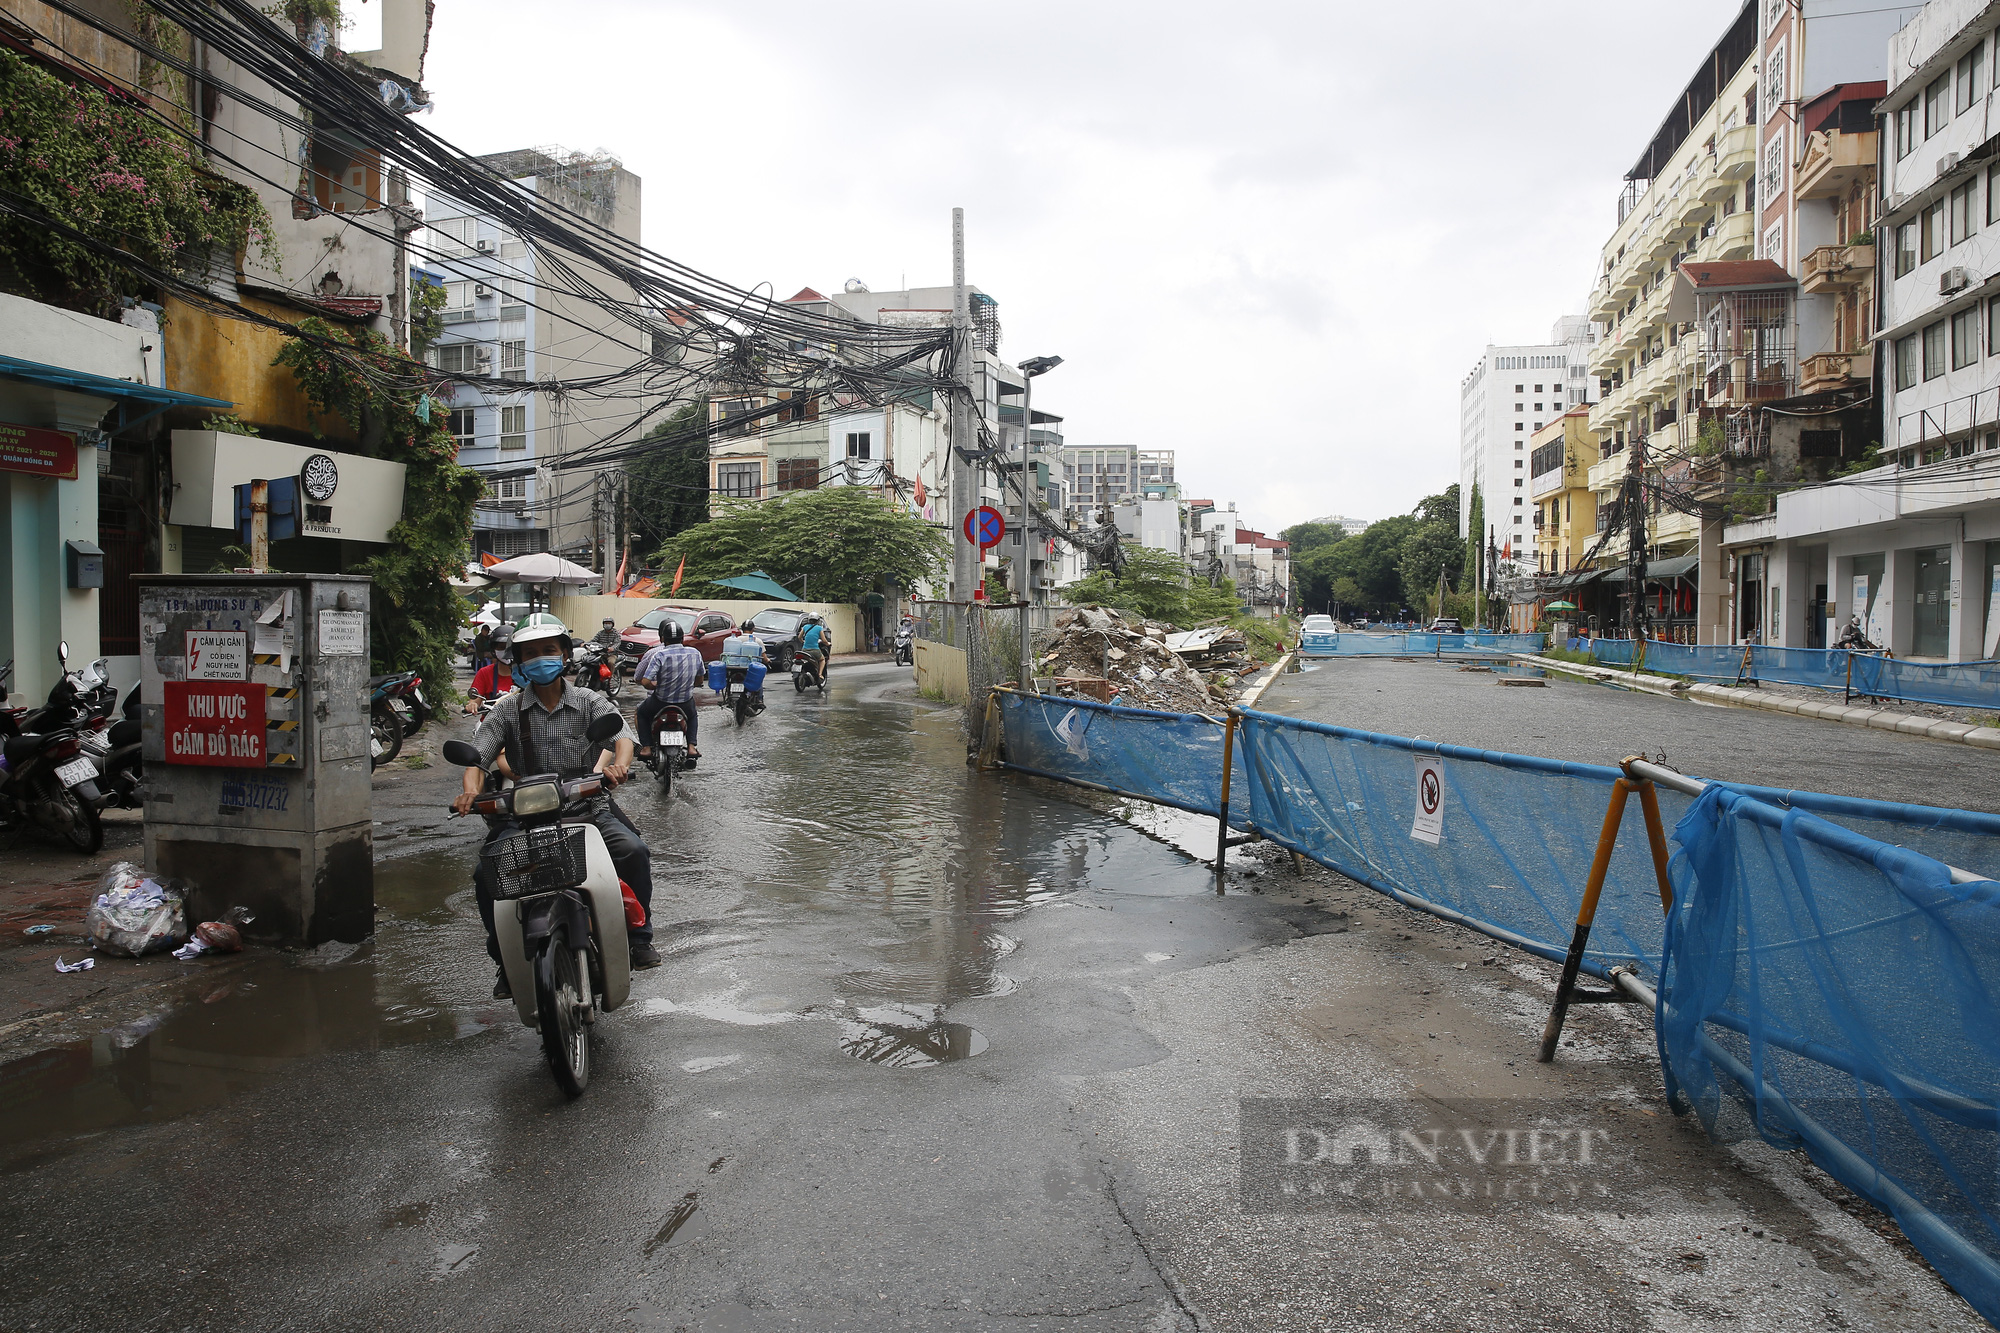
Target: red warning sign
[[219, 723]]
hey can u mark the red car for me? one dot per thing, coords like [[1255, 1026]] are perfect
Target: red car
[[701, 630]]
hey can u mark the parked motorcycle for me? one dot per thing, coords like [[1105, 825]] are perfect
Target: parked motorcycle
[[558, 912], [670, 745], [595, 670], [121, 772], [46, 780], [385, 723]]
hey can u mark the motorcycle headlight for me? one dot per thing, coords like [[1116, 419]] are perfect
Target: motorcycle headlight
[[538, 799]]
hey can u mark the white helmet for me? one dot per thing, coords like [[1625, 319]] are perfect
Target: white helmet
[[539, 626]]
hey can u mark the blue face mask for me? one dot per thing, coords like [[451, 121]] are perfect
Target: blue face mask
[[542, 670]]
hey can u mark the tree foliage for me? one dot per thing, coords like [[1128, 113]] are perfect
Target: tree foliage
[[1387, 567], [840, 541], [667, 487], [416, 614], [1155, 584], [106, 168]]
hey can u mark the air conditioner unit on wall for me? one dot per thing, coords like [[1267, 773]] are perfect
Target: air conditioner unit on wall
[[1954, 280], [485, 247], [1948, 164], [481, 289]]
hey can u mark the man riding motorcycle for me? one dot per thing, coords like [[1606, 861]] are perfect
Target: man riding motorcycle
[[606, 637], [1853, 636], [739, 650], [671, 671], [497, 676], [540, 729]]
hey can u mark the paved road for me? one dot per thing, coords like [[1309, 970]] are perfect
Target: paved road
[[1580, 720], [359, 1138]]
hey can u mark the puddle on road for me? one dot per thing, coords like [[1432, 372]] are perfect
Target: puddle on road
[[845, 857], [903, 1037], [213, 1041]]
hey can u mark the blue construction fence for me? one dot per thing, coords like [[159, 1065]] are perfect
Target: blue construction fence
[[1823, 980], [1351, 644], [1953, 684]]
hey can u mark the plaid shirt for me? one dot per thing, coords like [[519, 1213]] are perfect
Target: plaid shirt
[[556, 736], [674, 669]]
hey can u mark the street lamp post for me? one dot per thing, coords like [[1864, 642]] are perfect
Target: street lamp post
[[1030, 368]]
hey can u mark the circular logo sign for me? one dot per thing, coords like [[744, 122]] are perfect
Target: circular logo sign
[[1429, 791], [319, 478]]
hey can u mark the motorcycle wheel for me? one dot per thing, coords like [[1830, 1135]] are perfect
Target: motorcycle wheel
[[385, 736], [415, 715], [84, 831], [799, 681], [558, 1004], [742, 707]]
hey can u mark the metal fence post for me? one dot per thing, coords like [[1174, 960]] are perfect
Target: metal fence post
[[1222, 820]]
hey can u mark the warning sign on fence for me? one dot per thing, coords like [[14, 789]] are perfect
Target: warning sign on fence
[[1429, 825]]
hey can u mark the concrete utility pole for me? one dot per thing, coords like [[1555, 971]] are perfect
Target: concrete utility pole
[[1637, 621], [964, 424]]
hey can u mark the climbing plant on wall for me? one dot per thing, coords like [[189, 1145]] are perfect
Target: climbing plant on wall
[[416, 614], [105, 167]]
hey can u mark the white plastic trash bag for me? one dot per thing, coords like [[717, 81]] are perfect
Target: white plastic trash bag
[[133, 914]]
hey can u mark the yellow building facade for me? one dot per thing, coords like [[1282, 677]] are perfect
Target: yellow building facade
[[1559, 462]]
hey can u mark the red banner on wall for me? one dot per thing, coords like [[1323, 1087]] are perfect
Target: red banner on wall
[[37, 452], [214, 722]]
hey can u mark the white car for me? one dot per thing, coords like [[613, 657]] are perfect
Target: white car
[[1317, 625]]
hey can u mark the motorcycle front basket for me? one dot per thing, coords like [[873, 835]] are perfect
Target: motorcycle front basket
[[538, 860]]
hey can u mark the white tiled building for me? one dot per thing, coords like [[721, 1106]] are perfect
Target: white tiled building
[[1509, 395]]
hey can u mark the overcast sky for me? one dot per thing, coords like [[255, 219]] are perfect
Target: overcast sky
[[1271, 237]]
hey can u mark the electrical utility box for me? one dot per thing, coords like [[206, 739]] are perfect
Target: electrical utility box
[[254, 690]]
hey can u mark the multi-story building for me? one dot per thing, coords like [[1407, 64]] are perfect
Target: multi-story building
[[502, 320], [1156, 521], [1221, 546], [1559, 460], [1350, 526], [902, 447], [1099, 477], [1509, 395], [1912, 546]]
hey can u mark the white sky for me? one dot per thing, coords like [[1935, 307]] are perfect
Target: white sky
[[1269, 236]]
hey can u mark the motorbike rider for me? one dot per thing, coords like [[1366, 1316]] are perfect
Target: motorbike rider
[[816, 637], [539, 729], [671, 671], [740, 650], [1853, 636], [497, 676], [606, 637]]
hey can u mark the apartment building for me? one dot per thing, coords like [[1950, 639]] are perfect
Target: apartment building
[[1912, 546], [503, 320], [1559, 458], [1509, 395]]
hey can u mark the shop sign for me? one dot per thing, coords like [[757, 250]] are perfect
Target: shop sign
[[37, 452], [213, 722]]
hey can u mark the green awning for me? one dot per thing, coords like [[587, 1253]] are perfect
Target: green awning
[[759, 582]]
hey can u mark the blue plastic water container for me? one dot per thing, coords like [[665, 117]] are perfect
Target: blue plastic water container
[[753, 679], [718, 677]]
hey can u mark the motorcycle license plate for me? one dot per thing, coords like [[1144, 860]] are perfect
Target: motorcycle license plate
[[736, 687], [674, 740], [75, 771], [798, 666]]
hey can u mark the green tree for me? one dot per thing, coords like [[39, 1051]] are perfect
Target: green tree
[[667, 486], [1312, 544], [838, 542], [1155, 584], [1368, 562], [1429, 548]]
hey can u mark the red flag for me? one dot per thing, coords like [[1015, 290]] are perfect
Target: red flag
[[618, 588], [677, 576], [920, 492], [1507, 552], [487, 559]]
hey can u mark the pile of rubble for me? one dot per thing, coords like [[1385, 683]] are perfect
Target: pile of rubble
[[1109, 656]]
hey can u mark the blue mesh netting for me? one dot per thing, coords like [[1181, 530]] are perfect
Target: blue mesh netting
[[1416, 645], [1821, 979], [1837, 993], [1952, 684]]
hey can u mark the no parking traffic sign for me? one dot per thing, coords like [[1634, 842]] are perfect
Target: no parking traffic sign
[[984, 527], [1429, 823]]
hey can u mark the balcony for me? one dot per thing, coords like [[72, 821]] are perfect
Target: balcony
[[1834, 163], [1607, 474], [1736, 238], [1835, 268], [1603, 304], [1736, 153], [1834, 370]]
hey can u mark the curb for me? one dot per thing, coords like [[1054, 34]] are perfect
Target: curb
[[1963, 733]]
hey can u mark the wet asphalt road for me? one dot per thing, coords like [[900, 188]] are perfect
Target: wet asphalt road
[[361, 1139], [1591, 723], [364, 1139]]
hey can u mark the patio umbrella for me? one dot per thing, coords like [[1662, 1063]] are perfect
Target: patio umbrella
[[1560, 606], [540, 567], [759, 582]]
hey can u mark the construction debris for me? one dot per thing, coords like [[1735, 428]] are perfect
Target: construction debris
[[1120, 657]]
